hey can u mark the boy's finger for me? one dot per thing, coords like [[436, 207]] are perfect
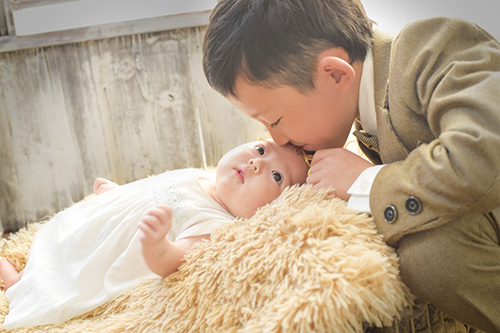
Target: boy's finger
[[312, 179], [320, 155]]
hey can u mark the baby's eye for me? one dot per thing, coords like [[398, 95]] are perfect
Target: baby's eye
[[277, 177], [260, 150]]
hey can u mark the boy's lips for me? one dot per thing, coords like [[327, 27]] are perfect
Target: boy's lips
[[308, 151]]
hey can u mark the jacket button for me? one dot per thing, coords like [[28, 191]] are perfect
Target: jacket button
[[413, 205], [390, 214]]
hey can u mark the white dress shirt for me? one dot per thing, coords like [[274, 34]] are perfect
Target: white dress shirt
[[360, 189]]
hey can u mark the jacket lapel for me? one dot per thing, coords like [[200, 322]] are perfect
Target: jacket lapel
[[390, 147]]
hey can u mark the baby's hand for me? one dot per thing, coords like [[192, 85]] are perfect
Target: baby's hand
[[102, 185], [155, 225]]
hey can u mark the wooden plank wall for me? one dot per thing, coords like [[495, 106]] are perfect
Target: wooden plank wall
[[121, 108]]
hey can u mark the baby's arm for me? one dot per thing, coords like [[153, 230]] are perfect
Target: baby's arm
[[163, 256]]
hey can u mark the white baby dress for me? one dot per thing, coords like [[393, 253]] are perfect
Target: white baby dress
[[90, 253]]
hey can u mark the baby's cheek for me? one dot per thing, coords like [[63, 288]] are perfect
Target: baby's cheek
[[273, 193]]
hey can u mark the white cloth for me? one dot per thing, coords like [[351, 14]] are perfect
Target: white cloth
[[366, 100], [360, 190], [90, 253]]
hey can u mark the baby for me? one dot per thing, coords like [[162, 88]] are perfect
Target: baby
[[91, 252]]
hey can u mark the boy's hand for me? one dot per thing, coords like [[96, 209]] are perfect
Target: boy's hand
[[155, 225], [102, 185], [338, 168]]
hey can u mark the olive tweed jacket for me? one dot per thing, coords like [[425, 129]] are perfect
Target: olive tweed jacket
[[437, 97]]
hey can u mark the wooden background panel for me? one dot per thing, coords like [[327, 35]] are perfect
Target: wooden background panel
[[3, 21], [144, 102], [40, 150], [222, 124], [122, 108]]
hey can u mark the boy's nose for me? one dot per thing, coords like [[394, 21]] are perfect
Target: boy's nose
[[278, 136]]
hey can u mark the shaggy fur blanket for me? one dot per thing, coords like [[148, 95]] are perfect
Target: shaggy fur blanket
[[303, 263]]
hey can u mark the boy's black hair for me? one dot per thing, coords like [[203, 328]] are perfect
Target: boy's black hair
[[277, 42]]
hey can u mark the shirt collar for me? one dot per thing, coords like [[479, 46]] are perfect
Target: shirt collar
[[367, 116]]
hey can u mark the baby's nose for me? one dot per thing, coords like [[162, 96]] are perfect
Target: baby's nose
[[257, 164]]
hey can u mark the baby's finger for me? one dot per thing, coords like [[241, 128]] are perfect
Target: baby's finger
[[151, 223], [145, 228], [148, 235], [163, 213]]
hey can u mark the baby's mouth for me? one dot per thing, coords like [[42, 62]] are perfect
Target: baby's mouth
[[240, 173]]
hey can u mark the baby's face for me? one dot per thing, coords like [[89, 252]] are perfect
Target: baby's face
[[254, 174]]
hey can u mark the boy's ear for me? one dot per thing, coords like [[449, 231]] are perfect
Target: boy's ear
[[338, 70]]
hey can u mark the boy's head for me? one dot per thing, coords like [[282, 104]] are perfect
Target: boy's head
[[276, 43], [291, 64], [254, 174]]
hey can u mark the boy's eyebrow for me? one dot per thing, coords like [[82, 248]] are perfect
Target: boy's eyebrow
[[258, 113], [255, 115]]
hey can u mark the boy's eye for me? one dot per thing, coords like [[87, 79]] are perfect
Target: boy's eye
[[260, 150], [276, 123], [277, 177]]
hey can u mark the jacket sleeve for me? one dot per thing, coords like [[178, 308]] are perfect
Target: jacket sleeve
[[444, 73]]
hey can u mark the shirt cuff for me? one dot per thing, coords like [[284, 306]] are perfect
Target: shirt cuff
[[360, 190]]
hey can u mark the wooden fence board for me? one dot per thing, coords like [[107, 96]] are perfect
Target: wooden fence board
[[122, 108]]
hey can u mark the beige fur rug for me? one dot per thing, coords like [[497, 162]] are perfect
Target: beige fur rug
[[303, 263]]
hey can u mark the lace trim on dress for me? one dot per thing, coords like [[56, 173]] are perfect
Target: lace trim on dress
[[167, 193]]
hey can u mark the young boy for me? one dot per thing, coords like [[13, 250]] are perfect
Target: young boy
[[426, 106]]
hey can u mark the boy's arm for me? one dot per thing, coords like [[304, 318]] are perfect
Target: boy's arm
[[338, 168], [439, 132], [438, 129], [161, 255]]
